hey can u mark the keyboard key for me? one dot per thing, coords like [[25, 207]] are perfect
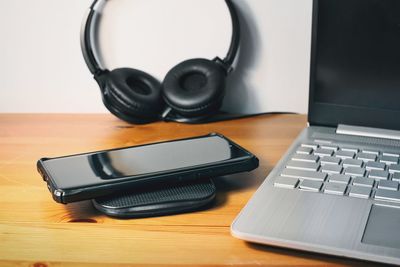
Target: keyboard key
[[396, 176], [378, 174], [305, 157], [371, 165], [304, 150], [360, 192], [366, 157], [389, 160], [339, 178], [361, 181], [300, 165], [382, 194], [308, 185], [389, 185], [311, 145], [352, 163], [323, 152], [355, 171], [334, 148], [355, 150], [391, 154], [308, 175], [330, 168], [335, 188], [330, 160], [394, 168], [286, 182], [345, 154], [371, 152], [323, 141]]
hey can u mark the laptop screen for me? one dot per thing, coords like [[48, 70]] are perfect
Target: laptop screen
[[355, 67]]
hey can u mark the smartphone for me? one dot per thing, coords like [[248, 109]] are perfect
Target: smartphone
[[90, 175]]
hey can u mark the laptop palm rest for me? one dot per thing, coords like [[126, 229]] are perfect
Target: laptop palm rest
[[383, 227]]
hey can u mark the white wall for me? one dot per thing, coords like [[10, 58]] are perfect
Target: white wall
[[42, 70]]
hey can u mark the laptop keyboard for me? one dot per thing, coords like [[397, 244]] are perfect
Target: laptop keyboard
[[344, 171]]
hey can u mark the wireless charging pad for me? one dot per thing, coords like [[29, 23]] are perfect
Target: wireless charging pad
[[158, 200]]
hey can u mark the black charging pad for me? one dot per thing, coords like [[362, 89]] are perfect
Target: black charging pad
[[158, 200]]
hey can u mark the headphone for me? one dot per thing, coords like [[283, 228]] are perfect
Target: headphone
[[191, 92]]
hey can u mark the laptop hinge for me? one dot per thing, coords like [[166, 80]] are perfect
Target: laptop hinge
[[368, 132]]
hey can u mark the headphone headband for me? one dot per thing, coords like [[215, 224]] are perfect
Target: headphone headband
[[95, 67]]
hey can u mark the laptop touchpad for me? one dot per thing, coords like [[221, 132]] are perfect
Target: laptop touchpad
[[383, 227]]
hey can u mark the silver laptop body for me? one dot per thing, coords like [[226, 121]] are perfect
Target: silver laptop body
[[336, 190]]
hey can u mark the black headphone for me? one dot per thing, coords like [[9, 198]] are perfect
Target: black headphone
[[191, 92]]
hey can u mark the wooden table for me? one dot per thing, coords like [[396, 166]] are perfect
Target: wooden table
[[36, 231]]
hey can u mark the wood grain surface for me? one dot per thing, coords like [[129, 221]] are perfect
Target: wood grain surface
[[36, 231]]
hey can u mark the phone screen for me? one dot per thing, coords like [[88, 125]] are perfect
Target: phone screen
[[126, 163]]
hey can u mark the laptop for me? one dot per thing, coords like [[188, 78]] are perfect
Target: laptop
[[336, 190]]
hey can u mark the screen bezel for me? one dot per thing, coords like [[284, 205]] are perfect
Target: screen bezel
[[328, 114]]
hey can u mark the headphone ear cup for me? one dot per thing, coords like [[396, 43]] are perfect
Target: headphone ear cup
[[195, 87], [133, 95]]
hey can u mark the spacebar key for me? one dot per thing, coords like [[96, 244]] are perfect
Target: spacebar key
[[308, 175]]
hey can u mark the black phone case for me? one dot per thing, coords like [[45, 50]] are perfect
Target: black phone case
[[242, 164]]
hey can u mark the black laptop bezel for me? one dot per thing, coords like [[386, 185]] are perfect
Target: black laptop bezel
[[327, 114]]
